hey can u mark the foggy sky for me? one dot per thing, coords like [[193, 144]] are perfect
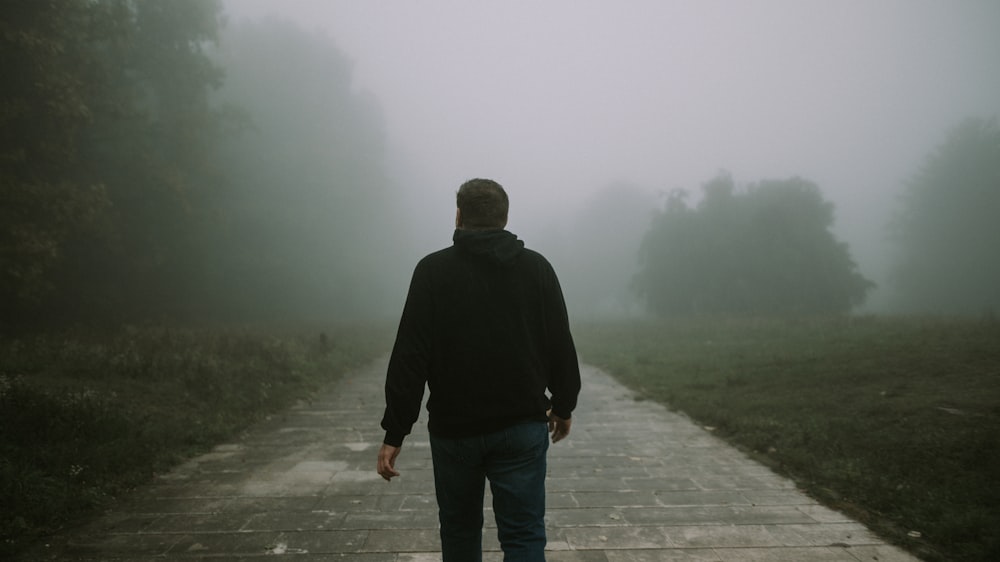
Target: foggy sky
[[558, 99]]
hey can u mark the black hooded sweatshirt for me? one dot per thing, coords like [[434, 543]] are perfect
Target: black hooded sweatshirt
[[485, 326]]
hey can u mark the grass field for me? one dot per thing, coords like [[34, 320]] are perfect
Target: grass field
[[894, 421], [85, 417]]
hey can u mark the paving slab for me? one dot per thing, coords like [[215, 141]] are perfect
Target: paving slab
[[634, 482]]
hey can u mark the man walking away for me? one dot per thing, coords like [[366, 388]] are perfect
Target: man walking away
[[485, 327]]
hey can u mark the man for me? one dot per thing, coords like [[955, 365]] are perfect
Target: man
[[485, 327]]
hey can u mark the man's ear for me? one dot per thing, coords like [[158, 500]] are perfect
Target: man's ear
[[458, 218]]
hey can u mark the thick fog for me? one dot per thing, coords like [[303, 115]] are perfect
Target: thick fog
[[588, 112]]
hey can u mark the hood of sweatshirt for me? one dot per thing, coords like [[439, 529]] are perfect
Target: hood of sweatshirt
[[499, 246]]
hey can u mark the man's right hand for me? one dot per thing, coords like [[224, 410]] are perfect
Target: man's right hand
[[558, 427], [387, 462]]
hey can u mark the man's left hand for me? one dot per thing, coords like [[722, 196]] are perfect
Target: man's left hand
[[387, 462], [558, 427]]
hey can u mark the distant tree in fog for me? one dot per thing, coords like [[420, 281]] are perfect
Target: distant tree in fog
[[309, 205], [601, 256], [948, 227], [765, 250]]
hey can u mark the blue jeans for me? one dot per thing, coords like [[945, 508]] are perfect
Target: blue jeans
[[513, 459]]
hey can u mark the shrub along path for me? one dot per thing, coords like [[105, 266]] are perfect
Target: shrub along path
[[633, 482]]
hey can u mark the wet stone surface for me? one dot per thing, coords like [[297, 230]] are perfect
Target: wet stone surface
[[633, 483]]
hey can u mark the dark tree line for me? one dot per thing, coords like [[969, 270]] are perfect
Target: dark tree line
[[137, 182], [155, 164], [764, 250], [107, 154]]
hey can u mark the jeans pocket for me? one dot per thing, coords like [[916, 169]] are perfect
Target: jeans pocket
[[464, 450], [527, 439]]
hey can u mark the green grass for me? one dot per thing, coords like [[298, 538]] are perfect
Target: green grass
[[86, 417], [895, 421]]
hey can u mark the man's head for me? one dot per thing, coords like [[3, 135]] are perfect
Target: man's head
[[482, 205]]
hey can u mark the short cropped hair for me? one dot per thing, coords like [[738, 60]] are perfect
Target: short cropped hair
[[483, 204]]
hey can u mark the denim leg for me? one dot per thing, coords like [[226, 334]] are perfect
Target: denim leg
[[515, 466], [459, 484]]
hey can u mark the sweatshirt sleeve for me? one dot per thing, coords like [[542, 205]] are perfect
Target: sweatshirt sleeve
[[408, 363], [564, 368]]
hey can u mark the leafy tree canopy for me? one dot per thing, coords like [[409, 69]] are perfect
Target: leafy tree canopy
[[52, 73], [764, 250]]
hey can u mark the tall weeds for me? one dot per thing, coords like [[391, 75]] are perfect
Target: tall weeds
[[86, 417]]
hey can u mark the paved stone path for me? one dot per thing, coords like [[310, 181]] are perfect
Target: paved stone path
[[633, 483]]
